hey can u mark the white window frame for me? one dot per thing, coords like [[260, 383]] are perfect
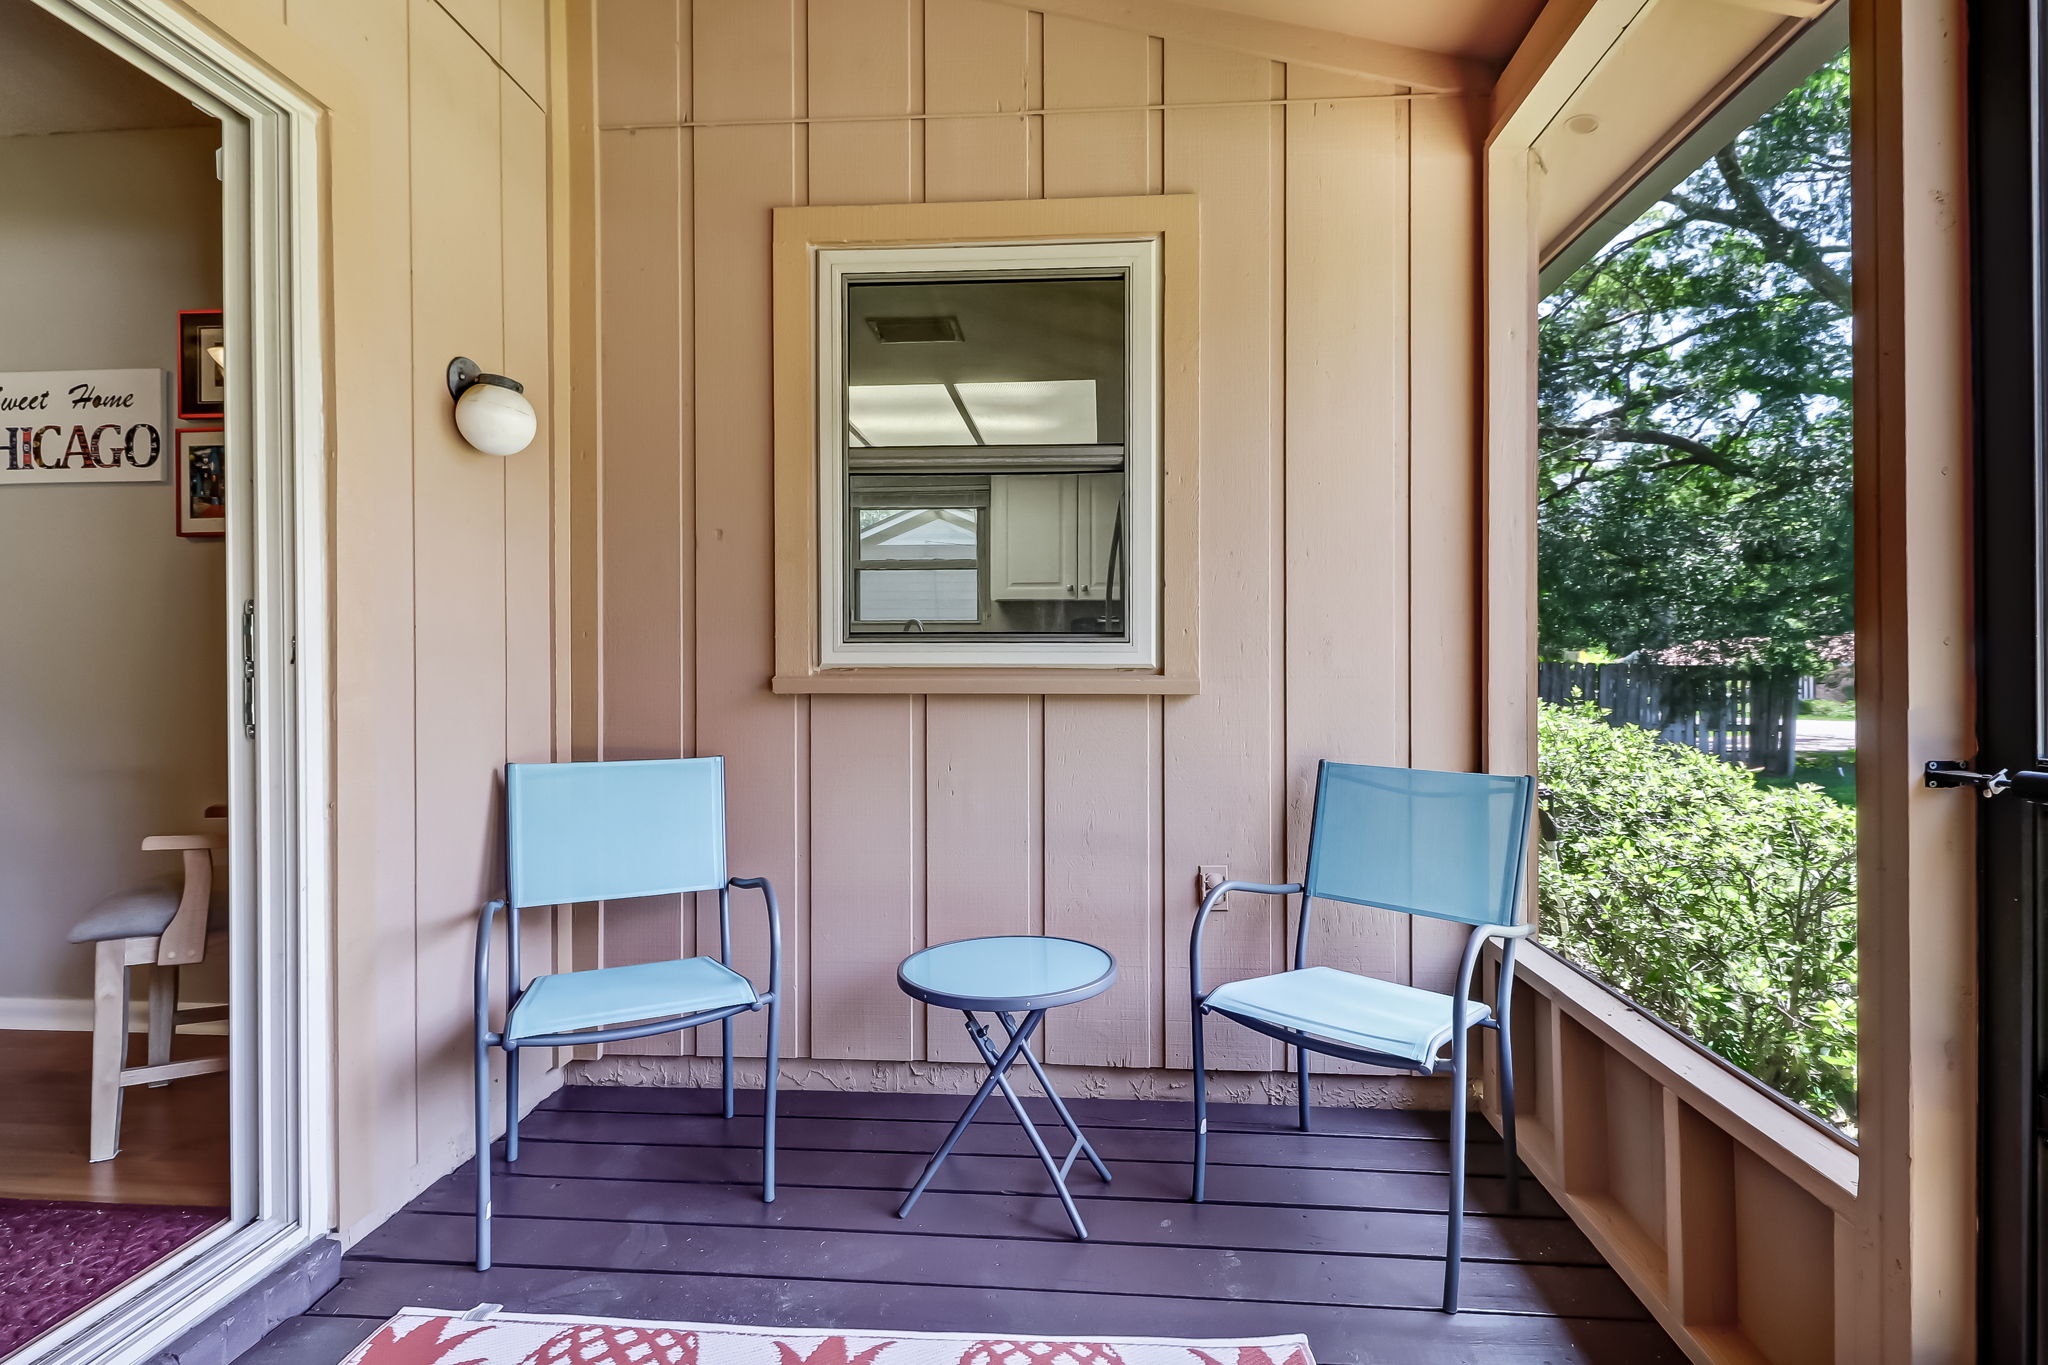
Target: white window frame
[[1139, 260]]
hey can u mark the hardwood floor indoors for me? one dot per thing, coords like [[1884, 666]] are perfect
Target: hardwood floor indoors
[[642, 1203], [174, 1140]]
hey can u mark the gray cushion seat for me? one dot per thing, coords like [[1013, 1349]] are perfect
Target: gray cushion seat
[[143, 911]]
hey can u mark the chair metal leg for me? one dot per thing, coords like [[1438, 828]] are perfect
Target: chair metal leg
[[1201, 1106], [725, 1028], [109, 1046], [1507, 1115], [483, 1152], [767, 1100], [1454, 1241], [511, 1105], [163, 1016], [1301, 1074]]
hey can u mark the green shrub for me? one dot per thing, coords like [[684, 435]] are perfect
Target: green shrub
[[1727, 908]]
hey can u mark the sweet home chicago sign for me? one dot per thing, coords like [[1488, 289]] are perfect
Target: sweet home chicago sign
[[83, 426]]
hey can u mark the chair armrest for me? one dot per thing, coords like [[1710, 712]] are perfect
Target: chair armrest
[[482, 1000], [1217, 893], [767, 890], [158, 843]]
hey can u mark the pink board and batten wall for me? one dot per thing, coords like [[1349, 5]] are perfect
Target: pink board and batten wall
[[1339, 516]]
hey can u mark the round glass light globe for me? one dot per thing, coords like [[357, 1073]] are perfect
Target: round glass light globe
[[495, 419]]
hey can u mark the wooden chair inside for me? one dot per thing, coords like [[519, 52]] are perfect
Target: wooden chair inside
[[132, 930]]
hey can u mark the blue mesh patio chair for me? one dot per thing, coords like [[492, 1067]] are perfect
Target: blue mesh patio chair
[[1448, 845], [579, 832]]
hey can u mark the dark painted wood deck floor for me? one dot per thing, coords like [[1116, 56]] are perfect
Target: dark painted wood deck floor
[[642, 1204]]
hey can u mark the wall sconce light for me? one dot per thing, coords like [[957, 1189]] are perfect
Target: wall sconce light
[[491, 411]]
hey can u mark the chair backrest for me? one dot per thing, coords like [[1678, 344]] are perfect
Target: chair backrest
[[607, 831], [1448, 845]]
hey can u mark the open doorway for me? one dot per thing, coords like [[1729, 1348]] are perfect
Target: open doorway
[[125, 777]]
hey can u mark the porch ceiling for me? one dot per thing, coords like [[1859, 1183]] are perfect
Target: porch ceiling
[[1487, 30]]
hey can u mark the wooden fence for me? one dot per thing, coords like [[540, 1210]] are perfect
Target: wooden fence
[[1744, 718]]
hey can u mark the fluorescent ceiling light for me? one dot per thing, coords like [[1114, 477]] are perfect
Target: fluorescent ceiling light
[[906, 415], [1050, 412]]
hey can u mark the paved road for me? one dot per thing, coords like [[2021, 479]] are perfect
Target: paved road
[[1816, 736]]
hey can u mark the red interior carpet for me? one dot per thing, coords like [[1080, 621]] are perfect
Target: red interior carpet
[[57, 1257]]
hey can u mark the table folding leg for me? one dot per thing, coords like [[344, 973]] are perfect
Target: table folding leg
[[1018, 1043]]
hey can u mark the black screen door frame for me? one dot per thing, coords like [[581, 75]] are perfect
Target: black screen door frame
[[2006, 107]]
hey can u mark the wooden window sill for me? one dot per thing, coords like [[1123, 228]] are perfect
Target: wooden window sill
[[987, 681]]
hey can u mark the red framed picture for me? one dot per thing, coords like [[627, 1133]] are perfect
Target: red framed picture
[[202, 484], [202, 365]]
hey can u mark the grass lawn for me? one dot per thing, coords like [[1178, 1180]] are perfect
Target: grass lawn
[[1833, 773], [1828, 710]]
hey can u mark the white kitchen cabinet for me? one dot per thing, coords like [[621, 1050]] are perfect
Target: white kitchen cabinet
[[1100, 499], [1033, 529], [1050, 535]]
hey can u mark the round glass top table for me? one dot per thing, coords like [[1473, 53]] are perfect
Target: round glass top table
[[1008, 977]]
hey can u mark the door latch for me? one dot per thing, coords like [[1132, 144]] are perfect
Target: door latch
[[2029, 784], [1947, 772]]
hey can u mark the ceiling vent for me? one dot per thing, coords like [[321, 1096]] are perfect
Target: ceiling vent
[[892, 330]]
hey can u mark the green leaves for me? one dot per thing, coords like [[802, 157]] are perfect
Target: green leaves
[[1727, 908], [1693, 402]]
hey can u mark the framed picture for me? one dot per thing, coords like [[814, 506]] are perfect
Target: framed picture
[[202, 483], [202, 365]]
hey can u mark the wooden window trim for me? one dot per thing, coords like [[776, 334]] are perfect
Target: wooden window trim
[[799, 233]]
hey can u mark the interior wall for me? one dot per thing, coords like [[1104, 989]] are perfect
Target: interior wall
[[1338, 522], [436, 147], [113, 631]]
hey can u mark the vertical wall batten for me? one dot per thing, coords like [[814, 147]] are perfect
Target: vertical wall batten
[[1101, 836], [1347, 627], [1443, 437], [865, 778], [646, 454], [458, 546], [1222, 752], [1336, 542], [746, 62], [983, 756]]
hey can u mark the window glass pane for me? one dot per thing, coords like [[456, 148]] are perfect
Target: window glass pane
[[918, 595], [1697, 724], [919, 533], [985, 421]]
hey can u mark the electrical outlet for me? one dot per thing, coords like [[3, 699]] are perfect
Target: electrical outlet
[[1208, 877]]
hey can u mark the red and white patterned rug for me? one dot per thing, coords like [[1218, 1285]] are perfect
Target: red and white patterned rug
[[428, 1336]]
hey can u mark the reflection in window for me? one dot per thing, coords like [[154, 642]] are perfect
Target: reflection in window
[[985, 470]]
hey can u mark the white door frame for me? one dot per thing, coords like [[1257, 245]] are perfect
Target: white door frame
[[281, 1032]]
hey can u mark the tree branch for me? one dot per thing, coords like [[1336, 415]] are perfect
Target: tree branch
[[1696, 453], [1782, 244]]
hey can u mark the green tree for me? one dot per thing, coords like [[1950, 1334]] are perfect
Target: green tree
[[1694, 405]]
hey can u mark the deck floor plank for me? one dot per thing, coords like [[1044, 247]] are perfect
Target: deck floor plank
[[641, 1204], [1037, 1215], [1173, 1146]]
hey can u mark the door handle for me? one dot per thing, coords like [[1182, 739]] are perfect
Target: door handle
[[249, 668], [2029, 784]]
